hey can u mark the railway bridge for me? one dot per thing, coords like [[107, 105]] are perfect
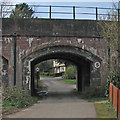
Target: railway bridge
[[37, 40]]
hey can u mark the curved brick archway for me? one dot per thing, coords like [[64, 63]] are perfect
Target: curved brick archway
[[84, 60]]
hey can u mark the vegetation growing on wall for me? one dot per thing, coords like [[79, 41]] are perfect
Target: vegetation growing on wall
[[110, 32]]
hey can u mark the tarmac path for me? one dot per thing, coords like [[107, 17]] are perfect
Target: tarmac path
[[60, 102]]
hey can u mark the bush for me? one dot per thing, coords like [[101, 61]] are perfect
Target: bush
[[93, 92], [17, 98], [114, 78], [44, 73], [51, 74], [70, 72], [58, 74]]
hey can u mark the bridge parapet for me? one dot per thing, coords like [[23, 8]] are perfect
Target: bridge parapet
[[51, 28]]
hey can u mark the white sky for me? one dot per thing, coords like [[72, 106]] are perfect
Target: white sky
[[17, 1]]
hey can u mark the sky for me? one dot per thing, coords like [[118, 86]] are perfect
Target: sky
[[17, 1], [86, 3]]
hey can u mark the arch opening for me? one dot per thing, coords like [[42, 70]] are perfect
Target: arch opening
[[87, 74], [55, 76], [83, 68]]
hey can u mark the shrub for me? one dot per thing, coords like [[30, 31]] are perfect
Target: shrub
[[70, 72], [51, 74], [17, 98], [114, 78], [44, 73], [58, 74]]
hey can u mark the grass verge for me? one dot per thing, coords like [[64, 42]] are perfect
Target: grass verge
[[105, 110], [46, 76], [70, 81], [103, 106], [97, 99]]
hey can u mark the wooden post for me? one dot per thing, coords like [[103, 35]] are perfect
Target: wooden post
[[112, 94], [117, 103], [119, 40]]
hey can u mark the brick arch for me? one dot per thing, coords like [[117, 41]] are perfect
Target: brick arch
[[93, 45], [80, 57], [34, 53]]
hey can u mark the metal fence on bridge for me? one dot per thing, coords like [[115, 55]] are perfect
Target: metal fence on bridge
[[66, 12]]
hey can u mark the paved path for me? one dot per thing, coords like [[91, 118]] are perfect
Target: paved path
[[59, 103]]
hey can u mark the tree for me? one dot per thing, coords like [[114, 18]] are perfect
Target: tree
[[110, 36], [46, 66], [70, 72], [22, 11]]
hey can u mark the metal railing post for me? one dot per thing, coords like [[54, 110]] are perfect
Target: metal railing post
[[74, 12], [50, 12], [118, 15], [15, 39], [1, 12], [96, 13]]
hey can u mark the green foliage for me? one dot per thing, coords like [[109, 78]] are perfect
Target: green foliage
[[114, 78], [58, 74], [16, 98], [22, 11], [47, 74], [70, 72], [105, 110], [110, 29], [51, 74], [46, 66], [93, 92], [70, 81], [98, 99]]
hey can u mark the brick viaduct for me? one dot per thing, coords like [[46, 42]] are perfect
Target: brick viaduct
[[78, 41]]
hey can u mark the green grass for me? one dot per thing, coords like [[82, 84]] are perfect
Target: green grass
[[46, 76], [70, 81], [15, 99], [105, 110], [97, 99]]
